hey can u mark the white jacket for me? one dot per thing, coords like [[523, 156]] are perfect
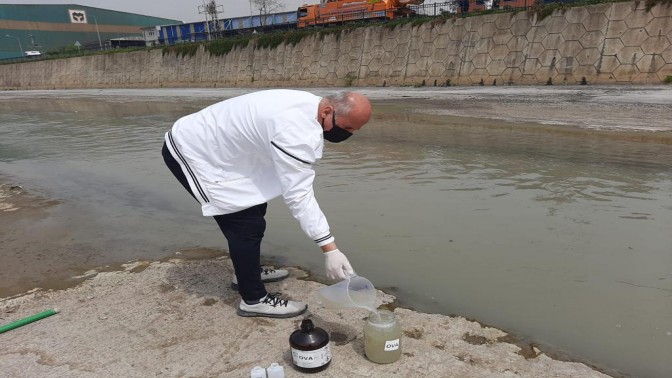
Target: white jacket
[[250, 149]]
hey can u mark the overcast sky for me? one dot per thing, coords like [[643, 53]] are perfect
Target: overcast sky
[[182, 10]]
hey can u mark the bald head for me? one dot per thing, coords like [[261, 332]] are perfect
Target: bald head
[[352, 109]]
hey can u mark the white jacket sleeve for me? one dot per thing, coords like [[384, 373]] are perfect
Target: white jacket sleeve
[[293, 163]]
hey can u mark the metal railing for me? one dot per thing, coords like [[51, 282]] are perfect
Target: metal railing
[[464, 7]]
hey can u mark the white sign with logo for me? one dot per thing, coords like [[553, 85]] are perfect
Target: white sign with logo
[[77, 16]]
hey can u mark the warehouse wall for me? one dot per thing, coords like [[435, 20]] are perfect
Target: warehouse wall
[[52, 27]]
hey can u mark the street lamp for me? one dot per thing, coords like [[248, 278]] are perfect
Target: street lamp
[[34, 45], [19, 40], [97, 31]]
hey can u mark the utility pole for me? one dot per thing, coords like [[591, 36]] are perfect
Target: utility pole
[[100, 43], [204, 10], [18, 40], [212, 9]]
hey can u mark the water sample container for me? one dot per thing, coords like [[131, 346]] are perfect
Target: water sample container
[[310, 348], [258, 372], [382, 337], [275, 370], [353, 291]]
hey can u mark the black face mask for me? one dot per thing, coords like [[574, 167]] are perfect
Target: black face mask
[[336, 134]]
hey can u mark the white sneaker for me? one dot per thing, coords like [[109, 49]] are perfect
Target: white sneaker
[[272, 306], [267, 275]]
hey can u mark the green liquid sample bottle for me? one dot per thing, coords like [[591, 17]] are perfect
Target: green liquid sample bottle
[[382, 337], [310, 348]]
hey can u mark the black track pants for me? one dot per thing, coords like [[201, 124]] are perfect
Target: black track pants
[[243, 231]]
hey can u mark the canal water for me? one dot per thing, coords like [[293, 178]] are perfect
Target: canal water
[[554, 226]]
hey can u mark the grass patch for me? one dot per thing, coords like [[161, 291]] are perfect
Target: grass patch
[[222, 47], [652, 3], [349, 79], [420, 20], [545, 10], [274, 40], [65, 53], [182, 49], [668, 79], [271, 40]]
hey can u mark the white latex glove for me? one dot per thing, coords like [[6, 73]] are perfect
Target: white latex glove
[[337, 265]]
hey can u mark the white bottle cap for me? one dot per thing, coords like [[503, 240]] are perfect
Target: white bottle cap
[[258, 372], [276, 371]]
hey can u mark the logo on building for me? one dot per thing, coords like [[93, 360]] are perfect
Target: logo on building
[[77, 16]]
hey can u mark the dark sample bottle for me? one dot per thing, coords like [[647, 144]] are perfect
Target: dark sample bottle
[[310, 347]]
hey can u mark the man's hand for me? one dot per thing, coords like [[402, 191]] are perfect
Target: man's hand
[[337, 265]]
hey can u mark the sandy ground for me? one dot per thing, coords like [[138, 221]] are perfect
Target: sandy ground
[[176, 318]]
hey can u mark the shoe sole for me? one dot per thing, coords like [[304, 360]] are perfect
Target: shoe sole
[[277, 316], [235, 286]]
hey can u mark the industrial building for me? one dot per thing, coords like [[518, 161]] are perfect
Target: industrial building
[[26, 30], [219, 28]]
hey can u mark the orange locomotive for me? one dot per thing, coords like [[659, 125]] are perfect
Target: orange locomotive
[[337, 11]]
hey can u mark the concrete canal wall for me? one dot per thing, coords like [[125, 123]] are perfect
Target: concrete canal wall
[[610, 43]]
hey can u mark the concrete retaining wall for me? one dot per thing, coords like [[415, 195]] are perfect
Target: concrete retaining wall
[[606, 43]]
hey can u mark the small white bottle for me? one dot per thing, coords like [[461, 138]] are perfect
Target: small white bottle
[[258, 372], [275, 371]]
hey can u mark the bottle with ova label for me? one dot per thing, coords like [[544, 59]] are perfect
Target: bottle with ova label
[[310, 347], [382, 337]]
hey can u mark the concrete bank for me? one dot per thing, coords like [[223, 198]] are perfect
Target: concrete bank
[[612, 43], [177, 319]]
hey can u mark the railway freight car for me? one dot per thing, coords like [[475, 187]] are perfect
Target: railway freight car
[[340, 11], [325, 13]]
